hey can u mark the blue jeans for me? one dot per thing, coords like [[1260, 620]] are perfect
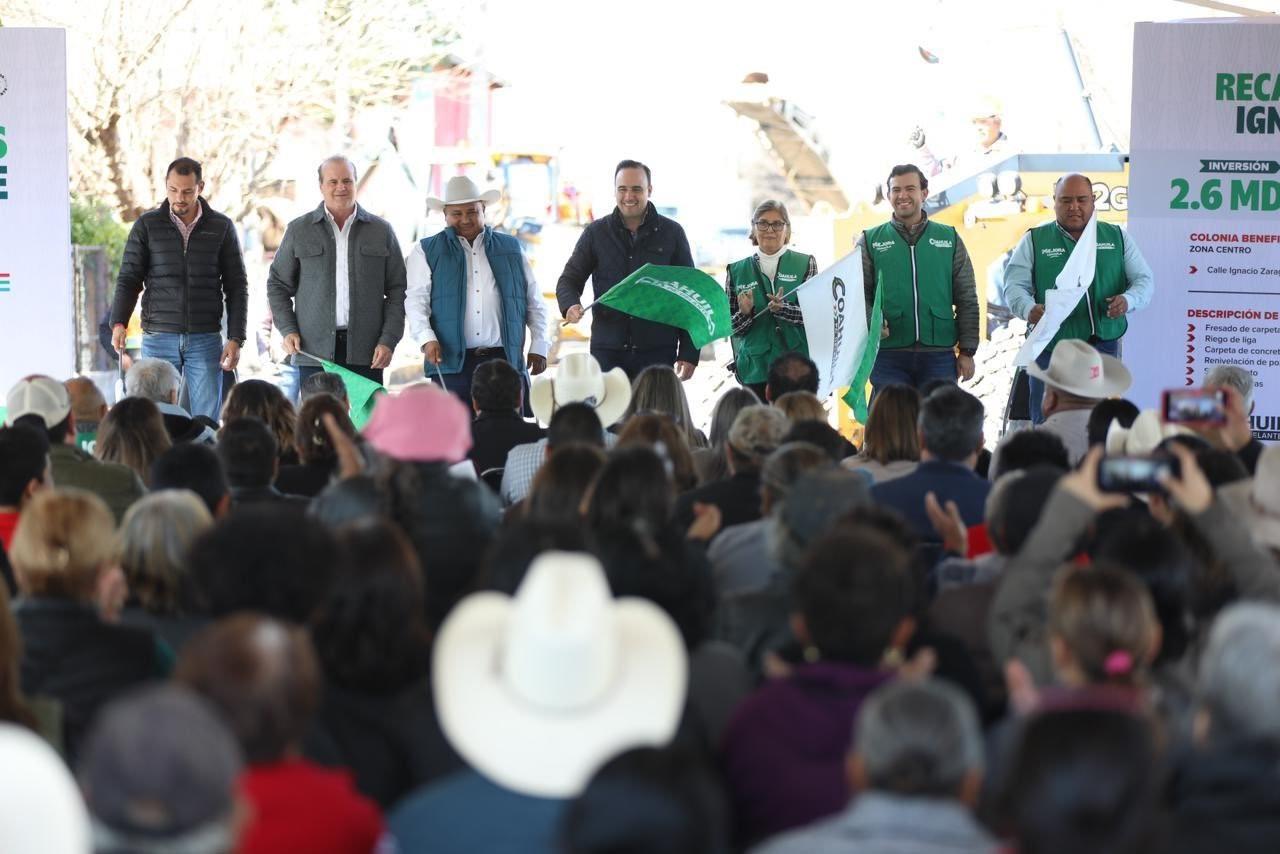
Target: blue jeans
[[1035, 387], [197, 357], [911, 367]]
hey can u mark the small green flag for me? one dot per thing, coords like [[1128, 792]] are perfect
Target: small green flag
[[684, 297], [856, 396], [361, 391]]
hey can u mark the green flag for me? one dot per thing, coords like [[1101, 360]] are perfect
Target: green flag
[[856, 396], [684, 297], [362, 392]]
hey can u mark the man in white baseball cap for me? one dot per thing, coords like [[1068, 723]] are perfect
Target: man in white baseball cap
[[44, 403], [1078, 377], [472, 294], [536, 692]]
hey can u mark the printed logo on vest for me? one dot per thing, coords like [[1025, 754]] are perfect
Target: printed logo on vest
[[1102, 246], [882, 245], [1053, 252], [941, 244], [787, 277]]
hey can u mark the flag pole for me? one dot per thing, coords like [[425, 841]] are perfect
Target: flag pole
[[585, 309]]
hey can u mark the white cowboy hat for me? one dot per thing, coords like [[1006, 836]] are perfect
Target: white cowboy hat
[[1078, 369], [537, 691], [1257, 499], [1143, 436], [580, 380], [461, 190]]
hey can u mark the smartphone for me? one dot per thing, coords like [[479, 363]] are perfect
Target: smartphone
[[1136, 474], [1200, 406]]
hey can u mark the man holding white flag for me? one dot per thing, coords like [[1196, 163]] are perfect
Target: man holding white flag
[[1096, 263]]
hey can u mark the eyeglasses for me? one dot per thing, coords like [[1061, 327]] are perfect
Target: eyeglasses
[[766, 225]]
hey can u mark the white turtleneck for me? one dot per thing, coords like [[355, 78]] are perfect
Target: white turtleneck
[[769, 263]]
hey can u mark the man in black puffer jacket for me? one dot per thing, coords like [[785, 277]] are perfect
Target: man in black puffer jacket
[[609, 250], [184, 259]]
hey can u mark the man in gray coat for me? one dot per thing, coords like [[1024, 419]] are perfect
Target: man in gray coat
[[337, 283]]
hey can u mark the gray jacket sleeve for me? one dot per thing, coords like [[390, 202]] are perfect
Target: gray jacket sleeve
[[282, 286], [1253, 569], [964, 294], [393, 294], [1020, 610]]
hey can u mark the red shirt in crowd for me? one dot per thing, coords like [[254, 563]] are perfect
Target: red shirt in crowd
[[8, 524], [300, 806]]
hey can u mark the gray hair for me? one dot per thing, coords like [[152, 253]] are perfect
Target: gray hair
[[756, 433], [156, 534], [787, 465], [777, 207], [154, 379], [918, 738], [323, 383], [1236, 377], [336, 158], [1239, 681]]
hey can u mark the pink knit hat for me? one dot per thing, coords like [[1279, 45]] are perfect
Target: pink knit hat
[[423, 423]]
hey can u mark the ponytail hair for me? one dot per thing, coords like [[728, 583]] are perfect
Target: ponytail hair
[[1104, 617]]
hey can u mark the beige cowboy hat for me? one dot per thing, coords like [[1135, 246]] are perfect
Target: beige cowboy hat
[[580, 380], [1079, 369], [461, 190], [538, 690], [1143, 436], [1257, 499]]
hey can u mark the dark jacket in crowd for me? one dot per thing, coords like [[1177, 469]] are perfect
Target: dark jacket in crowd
[[607, 252], [1227, 799], [494, 434], [392, 743], [949, 481], [305, 479], [70, 655], [183, 290], [737, 496]]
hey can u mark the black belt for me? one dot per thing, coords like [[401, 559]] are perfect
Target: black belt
[[481, 352]]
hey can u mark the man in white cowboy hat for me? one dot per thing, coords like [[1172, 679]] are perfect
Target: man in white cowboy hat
[[472, 293], [536, 692], [579, 380], [1122, 282], [337, 283], [1076, 379], [609, 250]]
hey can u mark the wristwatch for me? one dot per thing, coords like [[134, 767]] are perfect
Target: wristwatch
[[965, 351]]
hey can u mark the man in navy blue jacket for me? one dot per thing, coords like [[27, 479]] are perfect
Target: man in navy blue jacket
[[950, 429], [609, 250]]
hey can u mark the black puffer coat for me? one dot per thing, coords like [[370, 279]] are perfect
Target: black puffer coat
[[185, 291]]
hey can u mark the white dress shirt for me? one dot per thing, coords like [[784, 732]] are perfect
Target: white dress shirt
[[342, 277], [482, 312]]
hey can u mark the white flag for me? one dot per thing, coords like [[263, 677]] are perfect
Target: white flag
[[835, 321], [1070, 286]]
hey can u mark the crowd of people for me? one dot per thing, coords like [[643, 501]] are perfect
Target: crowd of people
[[606, 630]]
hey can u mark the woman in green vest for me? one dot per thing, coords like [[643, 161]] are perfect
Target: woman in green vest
[[767, 322]]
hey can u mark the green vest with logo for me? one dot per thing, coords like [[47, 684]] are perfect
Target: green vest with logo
[[1050, 249], [767, 337], [915, 284]]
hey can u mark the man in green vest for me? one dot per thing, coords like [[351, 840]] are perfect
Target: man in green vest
[[1122, 281], [925, 278]]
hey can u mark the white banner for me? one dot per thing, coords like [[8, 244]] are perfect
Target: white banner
[[1205, 206], [1069, 287], [36, 312], [835, 321]]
